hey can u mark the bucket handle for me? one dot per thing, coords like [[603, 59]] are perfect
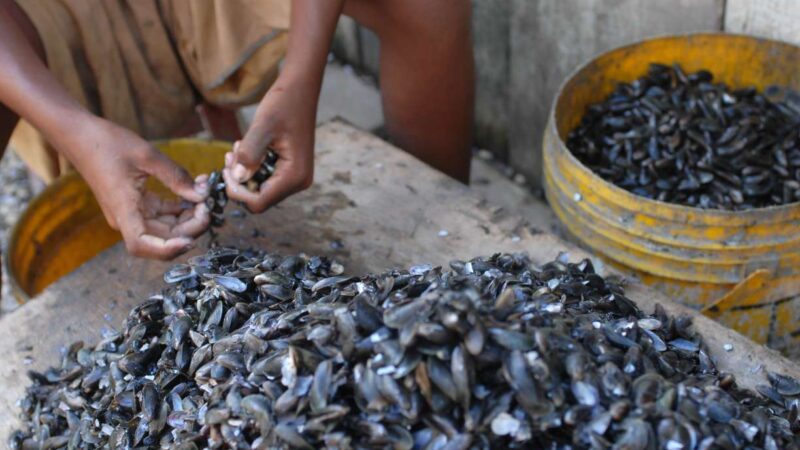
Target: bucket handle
[[748, 292]]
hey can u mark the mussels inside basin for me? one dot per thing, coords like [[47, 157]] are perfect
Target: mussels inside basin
[[686, 139]]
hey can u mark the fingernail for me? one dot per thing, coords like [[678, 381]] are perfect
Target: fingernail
[[240, 173], [236, 145], [228, 158], [202, 178], [201, 188]]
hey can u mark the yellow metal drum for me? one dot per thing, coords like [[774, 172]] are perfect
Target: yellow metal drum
[[742, 268], [64, 227]]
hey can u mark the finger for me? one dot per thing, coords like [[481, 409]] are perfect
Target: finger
[[283, 184], [186, 215], [168, 219], [150, 246], [242, 168], [192, 223], [249, 153], [286, 181], [154, 205], [175, 177], [141, 243], [160, 227], [108, 214], [202, 178], [238, 192], [195, 224]]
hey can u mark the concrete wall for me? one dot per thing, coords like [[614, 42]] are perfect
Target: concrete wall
[[773, 19], [524, 49]]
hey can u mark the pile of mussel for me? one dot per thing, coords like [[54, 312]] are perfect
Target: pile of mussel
[[253, 350], [682, 138]]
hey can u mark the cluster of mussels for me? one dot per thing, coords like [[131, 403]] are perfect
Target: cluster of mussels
[[684, 139], [218, 198], [247, 350]]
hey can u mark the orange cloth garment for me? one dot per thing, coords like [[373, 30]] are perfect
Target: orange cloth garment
[[145, 64]]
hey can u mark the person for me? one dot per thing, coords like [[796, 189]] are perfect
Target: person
[[96, 79]]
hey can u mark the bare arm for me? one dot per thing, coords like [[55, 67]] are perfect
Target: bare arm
[[114, 161], [313, 24], [285, 119], [28, 88]]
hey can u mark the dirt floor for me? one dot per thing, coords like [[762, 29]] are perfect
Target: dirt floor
[[15, 194]]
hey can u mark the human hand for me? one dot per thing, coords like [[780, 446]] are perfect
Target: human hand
[[116, 163], [283, 123]]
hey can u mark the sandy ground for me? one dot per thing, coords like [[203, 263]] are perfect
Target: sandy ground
[[15, 194]]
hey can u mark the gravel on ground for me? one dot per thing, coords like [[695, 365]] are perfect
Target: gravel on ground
[[15, 194]]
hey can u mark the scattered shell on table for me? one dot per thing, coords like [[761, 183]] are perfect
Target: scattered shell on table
[[253, 350]]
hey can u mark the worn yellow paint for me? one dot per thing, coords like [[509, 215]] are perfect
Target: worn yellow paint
[[746, 293], [697, 256], [63, 227]]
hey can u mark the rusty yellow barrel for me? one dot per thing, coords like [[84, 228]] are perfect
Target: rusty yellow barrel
[[63, 227], [742, 267]]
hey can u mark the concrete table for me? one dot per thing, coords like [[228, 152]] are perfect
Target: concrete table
[[382, 208]]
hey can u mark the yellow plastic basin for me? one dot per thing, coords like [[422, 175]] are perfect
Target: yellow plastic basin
[[63, 227], [742, 268]]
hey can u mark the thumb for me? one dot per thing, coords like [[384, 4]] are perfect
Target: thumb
[[249, 153], [175, 178]]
